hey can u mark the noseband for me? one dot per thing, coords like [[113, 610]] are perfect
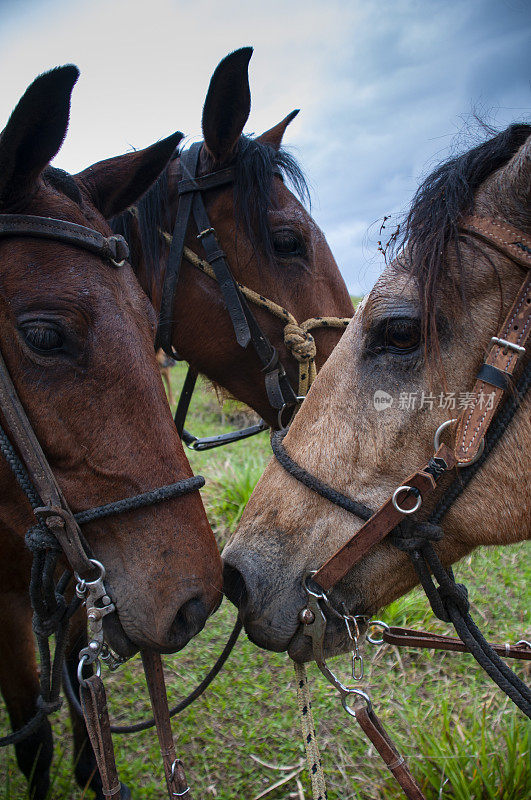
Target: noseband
[[476, 436], [58, 528], [237, 297]]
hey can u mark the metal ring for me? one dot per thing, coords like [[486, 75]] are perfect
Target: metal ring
[[440, 429], [406, 510], [82, 660], [97, 564], [359, 693], [376, 623], [437, 443], [117, 263], [298, 400], [321, 595], [476, 457], [192, 445]]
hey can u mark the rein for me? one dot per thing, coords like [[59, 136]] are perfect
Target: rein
[[58, 531], [477, 433], [237, 297]]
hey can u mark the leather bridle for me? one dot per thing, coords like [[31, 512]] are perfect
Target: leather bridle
[[58, 528], [478, 430], [280, 393]]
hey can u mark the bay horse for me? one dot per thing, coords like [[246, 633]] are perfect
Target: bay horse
[[405, 366], [271, 243], [77, 336]]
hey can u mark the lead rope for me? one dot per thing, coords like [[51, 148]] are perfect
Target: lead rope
[[297, 338], [313, 756]]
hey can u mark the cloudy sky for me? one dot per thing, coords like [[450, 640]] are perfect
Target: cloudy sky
[[386, 89]]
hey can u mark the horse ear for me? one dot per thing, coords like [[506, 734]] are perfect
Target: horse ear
[[275, 135], [35, 132], [227, 105], [116, 183], [515, 178]]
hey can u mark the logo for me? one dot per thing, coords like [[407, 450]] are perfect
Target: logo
[[382, 400]]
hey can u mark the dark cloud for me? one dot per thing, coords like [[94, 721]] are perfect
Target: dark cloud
[[386, 89]]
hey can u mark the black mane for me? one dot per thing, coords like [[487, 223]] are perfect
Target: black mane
[[255, 164], [430, 229]]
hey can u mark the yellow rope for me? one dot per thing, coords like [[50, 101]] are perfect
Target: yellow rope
[[297, 338], [313, 757]]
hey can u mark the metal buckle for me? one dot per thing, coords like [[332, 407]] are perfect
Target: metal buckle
[[510, 345], [206, 232]]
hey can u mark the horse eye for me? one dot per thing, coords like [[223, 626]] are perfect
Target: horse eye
[[42, 337], [286, 243], [401, 336]]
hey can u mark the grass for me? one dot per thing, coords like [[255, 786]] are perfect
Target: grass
[[462, 738]]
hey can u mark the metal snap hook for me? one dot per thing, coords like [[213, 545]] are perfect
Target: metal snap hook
[[406, 489]]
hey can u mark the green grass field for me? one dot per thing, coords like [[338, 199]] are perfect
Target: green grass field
[[462, 738]]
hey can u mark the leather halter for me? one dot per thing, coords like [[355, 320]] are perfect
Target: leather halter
[[55, 512], [246, 328], [506, 354], [55, 518]]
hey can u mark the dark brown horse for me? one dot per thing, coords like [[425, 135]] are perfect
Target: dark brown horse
[[271, 242], [77, 336], [417, 340]]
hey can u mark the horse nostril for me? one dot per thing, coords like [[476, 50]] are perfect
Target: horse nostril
[[234, 586], [188, 621]]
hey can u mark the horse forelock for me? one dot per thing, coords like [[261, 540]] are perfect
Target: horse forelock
[[255, 165], [430, 231]]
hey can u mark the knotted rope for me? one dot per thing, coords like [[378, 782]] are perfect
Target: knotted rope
[[297, 337]]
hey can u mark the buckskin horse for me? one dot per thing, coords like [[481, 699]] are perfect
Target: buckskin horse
[[77, 339], [449, 317], [219, 220]]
